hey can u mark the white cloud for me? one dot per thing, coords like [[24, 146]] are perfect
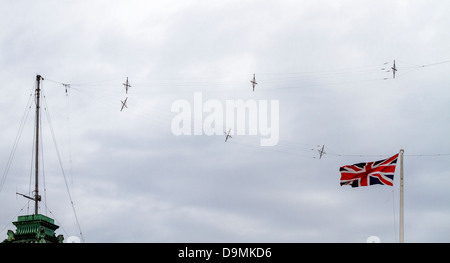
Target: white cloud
[[321, 59]]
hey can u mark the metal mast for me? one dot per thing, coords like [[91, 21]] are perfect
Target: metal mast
[[402, 219], [37, 197], [35, 228]]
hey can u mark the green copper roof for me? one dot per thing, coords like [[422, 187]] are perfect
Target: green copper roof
[[34, 229], [35, 217]]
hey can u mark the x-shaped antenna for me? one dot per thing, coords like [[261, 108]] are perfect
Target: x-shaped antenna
[[127, 85], [124, 103], [253, 82]]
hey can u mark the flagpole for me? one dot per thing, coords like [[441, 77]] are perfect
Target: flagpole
[[402, 240]]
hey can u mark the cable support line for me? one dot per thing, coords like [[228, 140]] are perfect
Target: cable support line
[[358, 155], [43, 163], [58, 82], [346, 69], [325, 84], [428, 155], [323, 74], [31, 166], [16, 142], [14, 217], [60, 162], [334, 154], [413, 67], [69, 138], [434, 64], [93, 83], [350, 75], [383, 155], [56, 220], [212, 81]]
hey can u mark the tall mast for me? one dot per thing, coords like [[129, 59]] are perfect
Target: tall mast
[[35, 228], [37, 197]]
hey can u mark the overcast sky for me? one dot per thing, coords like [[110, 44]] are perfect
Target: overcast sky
[[132, 180]]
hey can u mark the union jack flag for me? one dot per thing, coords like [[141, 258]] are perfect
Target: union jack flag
[[370, 173]]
